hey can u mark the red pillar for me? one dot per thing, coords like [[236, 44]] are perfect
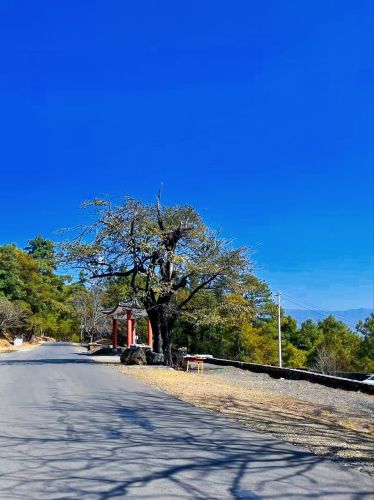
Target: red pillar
[[114, 333], [129, 328], [150, 335], [133, 336]]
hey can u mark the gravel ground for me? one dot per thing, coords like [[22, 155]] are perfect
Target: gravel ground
[[329, 422], [314, 393]]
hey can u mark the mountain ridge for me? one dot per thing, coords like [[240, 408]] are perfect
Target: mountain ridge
[[349, 316]]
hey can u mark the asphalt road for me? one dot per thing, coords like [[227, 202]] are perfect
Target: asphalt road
[[71, 428]]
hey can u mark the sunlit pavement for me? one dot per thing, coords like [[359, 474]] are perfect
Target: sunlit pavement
[[72, 428]]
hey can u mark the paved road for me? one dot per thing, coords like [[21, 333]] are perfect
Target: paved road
[[70, 428]]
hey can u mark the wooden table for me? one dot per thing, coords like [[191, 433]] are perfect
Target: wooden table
[[195, 359]]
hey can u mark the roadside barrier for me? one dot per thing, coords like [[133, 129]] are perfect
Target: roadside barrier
[[294, 374]]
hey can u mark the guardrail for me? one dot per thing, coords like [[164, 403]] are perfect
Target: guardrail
[[294, 374]]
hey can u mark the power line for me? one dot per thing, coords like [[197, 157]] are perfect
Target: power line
[[337, 315], [312, 308], [320, 312]]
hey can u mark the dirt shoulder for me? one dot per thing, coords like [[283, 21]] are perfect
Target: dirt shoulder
[[7, 347], [328, 422]]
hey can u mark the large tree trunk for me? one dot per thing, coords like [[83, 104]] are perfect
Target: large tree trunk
[[166, 339], [162, 326], [154, 318]]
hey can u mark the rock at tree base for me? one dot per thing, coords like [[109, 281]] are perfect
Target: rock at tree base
[[133, 356], [141, 356], [178, 361], [154, 358], [125, 356]]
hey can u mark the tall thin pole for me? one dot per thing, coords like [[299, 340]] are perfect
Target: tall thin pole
[[114, 334], [279, 331], [150, 339], [129, 328], [133, 331]]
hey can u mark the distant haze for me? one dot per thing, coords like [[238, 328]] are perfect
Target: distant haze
[[350, 316]]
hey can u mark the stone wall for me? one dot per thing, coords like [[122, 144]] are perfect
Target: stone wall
[[293, 374]]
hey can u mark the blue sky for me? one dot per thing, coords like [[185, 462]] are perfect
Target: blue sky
[[258, 113]]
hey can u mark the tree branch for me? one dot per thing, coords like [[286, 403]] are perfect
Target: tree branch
[[112, 273], [202, 285], [182, 282]]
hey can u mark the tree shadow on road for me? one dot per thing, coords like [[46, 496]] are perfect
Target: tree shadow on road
[[45, 361], [149, 446]]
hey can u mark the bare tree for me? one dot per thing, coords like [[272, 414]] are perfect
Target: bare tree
[[11, 315], [167, 253], [326, 360], [88, 306]]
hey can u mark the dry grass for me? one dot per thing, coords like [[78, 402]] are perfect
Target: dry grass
[[339, 432], [6, 346]]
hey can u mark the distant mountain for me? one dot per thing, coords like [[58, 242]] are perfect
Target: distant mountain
[[350, 316]]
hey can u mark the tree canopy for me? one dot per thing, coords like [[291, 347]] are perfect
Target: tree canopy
[[199, 291], [30, 287], [167, 253]]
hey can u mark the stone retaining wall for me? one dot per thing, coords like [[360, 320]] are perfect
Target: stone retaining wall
[[351, 375], [293, 374]]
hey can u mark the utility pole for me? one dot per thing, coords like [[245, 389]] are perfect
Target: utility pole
[[279, 331]]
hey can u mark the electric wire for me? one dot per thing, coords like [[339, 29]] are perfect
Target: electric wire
[[320, 312], [317, 308], [324, 314], [347, 320]]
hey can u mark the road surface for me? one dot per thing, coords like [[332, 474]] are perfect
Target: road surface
[[71, 428]]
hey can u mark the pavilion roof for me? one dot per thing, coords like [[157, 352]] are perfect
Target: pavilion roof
[[120, 311]]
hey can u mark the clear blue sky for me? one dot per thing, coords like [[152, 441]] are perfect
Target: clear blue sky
[[259, 113]]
